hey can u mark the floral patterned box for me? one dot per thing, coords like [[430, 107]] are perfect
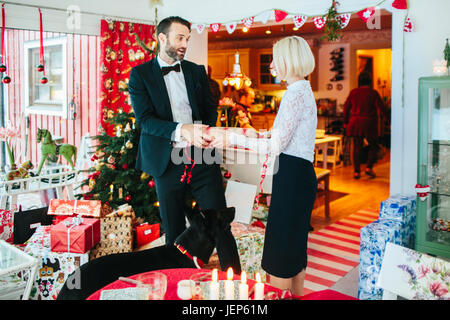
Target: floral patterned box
[[250, 243], [54, 268], [374, 238], [88, 208], [414, 275]]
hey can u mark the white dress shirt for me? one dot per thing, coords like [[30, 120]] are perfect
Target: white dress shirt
[[179, 101]]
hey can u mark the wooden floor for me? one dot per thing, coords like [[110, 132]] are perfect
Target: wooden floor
[[365, 193]]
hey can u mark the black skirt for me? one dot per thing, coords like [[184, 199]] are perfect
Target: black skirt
[[294, 191]]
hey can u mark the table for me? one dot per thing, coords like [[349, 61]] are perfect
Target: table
[[322, 143], [173, 277]]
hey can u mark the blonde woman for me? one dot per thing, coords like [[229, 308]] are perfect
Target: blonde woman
[[294, 183]]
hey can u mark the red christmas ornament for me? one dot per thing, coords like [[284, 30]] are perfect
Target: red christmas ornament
[[128, 198], [125, 166], [94, 157], [6, 79], [227, 175], [2, 68], [151, 184], [39, 68], [44, 80]]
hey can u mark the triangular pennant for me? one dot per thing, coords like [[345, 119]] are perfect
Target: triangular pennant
[[299, 21], [231, 27], [280, 15], [343, 19], [200, 27], [366, 14], [215, 27], [319, 22], [400, 4], [409, 26], [264, 16], [248, 22]]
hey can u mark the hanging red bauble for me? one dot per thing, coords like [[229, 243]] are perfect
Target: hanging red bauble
[[44, 80], [40, 68], [227, 175], [151, 184], [2, 68], [128, 198], [6, 79], [125, 166]]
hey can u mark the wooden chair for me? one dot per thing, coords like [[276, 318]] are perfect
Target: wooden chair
[[323, 180]]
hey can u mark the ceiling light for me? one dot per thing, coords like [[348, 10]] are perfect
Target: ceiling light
[[237, 79], [268, 31], [295, 28], [245, 29]]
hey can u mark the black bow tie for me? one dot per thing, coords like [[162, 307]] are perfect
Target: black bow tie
[[166, 70]]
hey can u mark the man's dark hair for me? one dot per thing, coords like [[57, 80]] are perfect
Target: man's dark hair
[[365, 79], [164, 25]]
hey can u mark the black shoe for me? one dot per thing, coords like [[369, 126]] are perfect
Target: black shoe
[[356, 175], [370, 173]]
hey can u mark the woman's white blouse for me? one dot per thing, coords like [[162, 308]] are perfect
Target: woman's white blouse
[[294, 128]]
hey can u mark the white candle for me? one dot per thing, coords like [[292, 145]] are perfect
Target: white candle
[[243, 287], [229, 285], [259, 288], [214, 286]]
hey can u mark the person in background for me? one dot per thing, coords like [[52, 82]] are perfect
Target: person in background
[[215, 87], [291, 144], [360, 114], [240, 113]]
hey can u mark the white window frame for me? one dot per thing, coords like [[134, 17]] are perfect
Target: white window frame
[[43, 109]]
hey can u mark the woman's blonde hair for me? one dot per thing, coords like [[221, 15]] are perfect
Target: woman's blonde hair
[[292, 56]]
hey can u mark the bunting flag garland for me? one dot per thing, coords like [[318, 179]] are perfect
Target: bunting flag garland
[[343, 19], [215, 27], [248, 21], [299, 21], [366, 14], [264, 16], [409, 26], [400, 4], [200, 27], [231, 27], [319, 22], [280, 15]]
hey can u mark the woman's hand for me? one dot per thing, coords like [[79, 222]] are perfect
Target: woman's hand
[[220, 138]]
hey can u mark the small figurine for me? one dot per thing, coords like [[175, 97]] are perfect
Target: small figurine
[[22, 172]]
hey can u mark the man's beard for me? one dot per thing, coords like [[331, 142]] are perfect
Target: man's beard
[[172, 52]]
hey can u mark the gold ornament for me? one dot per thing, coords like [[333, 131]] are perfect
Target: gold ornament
[[129, 144], [144, 176], [122, 150], [91, 183]]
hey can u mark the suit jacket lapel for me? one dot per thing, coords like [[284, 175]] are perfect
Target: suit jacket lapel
[[162, 89], [187, 72]]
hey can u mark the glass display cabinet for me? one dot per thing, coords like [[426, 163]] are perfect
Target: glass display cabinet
[[433, 167]]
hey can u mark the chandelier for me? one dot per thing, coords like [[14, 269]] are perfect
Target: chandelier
[[237, 79]]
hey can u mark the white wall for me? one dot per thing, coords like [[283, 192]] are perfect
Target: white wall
[[421, 48]]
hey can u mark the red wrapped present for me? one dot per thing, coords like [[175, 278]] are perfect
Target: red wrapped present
[[75, 235], [146, 233], [88, 208]]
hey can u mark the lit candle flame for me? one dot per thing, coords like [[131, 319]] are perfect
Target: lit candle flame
[[258, 277], [215, 275], [111, 188], [230, 273], [243, 277]]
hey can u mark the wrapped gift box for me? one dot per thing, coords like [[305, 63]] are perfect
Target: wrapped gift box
[[250, 243], [374, 238], [76, 235], [116, 236], [146, 233], [54, 268], [88, 208], [401, 208]]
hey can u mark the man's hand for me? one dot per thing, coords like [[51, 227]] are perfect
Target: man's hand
[[220, 139], [196, 134]]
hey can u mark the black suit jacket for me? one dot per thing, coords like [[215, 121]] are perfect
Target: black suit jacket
[[152, 108]]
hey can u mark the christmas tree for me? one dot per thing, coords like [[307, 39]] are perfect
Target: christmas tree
[[114, 179]]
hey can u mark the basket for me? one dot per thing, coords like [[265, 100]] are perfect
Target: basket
[[116, 237]]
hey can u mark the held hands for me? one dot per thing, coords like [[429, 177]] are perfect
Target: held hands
[[203, 136]]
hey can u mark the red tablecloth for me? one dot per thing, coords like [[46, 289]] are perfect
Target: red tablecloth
[[173, 277]]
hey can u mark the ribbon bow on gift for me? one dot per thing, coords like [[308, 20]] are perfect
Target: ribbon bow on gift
[[76, 221]]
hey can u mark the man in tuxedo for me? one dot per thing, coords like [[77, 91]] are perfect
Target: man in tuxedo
[[174, 108]]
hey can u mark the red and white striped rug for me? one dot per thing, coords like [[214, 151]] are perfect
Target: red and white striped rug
[[334, 250]]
